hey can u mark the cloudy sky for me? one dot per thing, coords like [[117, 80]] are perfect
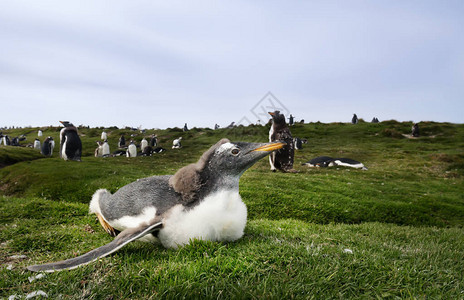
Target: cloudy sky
[[159, 64]]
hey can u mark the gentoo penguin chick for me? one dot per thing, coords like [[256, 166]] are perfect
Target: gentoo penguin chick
[[176, 143], [200, 201], [47, 146], [105, 149], [354, 120], [131, 150], [320, 161], [70, 143], [143, 144], [347, 162], [122, 142], [415, 130], [37, 144], [283, 158], [147, 151], [104, 136]]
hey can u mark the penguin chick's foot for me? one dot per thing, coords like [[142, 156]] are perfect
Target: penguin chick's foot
[[110, 230]]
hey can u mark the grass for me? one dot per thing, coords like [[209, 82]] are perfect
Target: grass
[[394, 231]]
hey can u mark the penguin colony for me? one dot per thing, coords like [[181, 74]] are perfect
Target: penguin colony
[[200, 200]]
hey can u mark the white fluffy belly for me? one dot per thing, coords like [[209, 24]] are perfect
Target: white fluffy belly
[[219, 217]]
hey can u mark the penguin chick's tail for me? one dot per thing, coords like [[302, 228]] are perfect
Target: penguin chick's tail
[[94, 208], [123, 239]]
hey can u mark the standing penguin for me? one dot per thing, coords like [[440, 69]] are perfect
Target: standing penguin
[[185, 127], [105, 149], [143, 144], [354, 120], [153, 140], [415, 130], [200, 201], [122, 142], [39, 133], [6, 140], [283, 158], [131, 150], [70, 143], [104, 136], [291, 120], [47, 146], [37, 144]]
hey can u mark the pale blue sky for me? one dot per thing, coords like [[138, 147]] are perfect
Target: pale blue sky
[[163, 63]]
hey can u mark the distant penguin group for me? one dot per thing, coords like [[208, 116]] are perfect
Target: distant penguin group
[[281, 159]]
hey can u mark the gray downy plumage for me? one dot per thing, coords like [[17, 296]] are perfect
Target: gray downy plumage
[[200, 200]]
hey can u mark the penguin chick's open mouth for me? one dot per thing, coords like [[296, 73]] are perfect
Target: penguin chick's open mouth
[[270, 147]]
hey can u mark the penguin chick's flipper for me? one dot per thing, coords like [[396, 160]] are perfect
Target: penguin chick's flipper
[[124, 238]]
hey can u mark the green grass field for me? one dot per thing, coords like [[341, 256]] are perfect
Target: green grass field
[[394, 231]]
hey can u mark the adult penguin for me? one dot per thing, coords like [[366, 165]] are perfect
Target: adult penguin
[[48, 146], [282, 159], [37, 144], [131, 150], [200, 201], [70, 143], [106, 149], [122, 142], [153, 141], [354, 120], [143, 144], [415, 130], [104, 136]]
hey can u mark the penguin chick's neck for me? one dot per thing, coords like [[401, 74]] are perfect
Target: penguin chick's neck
[[215, 181]]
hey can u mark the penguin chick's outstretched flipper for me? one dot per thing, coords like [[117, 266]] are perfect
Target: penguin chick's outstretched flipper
[[120, 241]]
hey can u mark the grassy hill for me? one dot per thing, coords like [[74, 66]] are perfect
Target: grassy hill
[[395, 230]]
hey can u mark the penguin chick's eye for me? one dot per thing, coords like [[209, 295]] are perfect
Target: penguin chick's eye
[[235, 151]]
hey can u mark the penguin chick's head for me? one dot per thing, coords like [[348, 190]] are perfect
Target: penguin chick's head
[[234, 158], [223, 160], [277, 117]]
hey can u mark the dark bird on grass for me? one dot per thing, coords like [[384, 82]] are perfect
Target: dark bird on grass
[[375, 120], [185, 127], [283, 158], [354, 120], [298, 143], [70, 143], [147, 151], [159, 150], [347, 162], [6, 140], [320, 161], [48, 146], [122, 142], [153, 141], [291, 120], [200, 201], [415, 130]]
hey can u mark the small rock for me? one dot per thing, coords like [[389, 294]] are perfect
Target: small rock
[[348, 251], [36, 294], [32, 278]]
